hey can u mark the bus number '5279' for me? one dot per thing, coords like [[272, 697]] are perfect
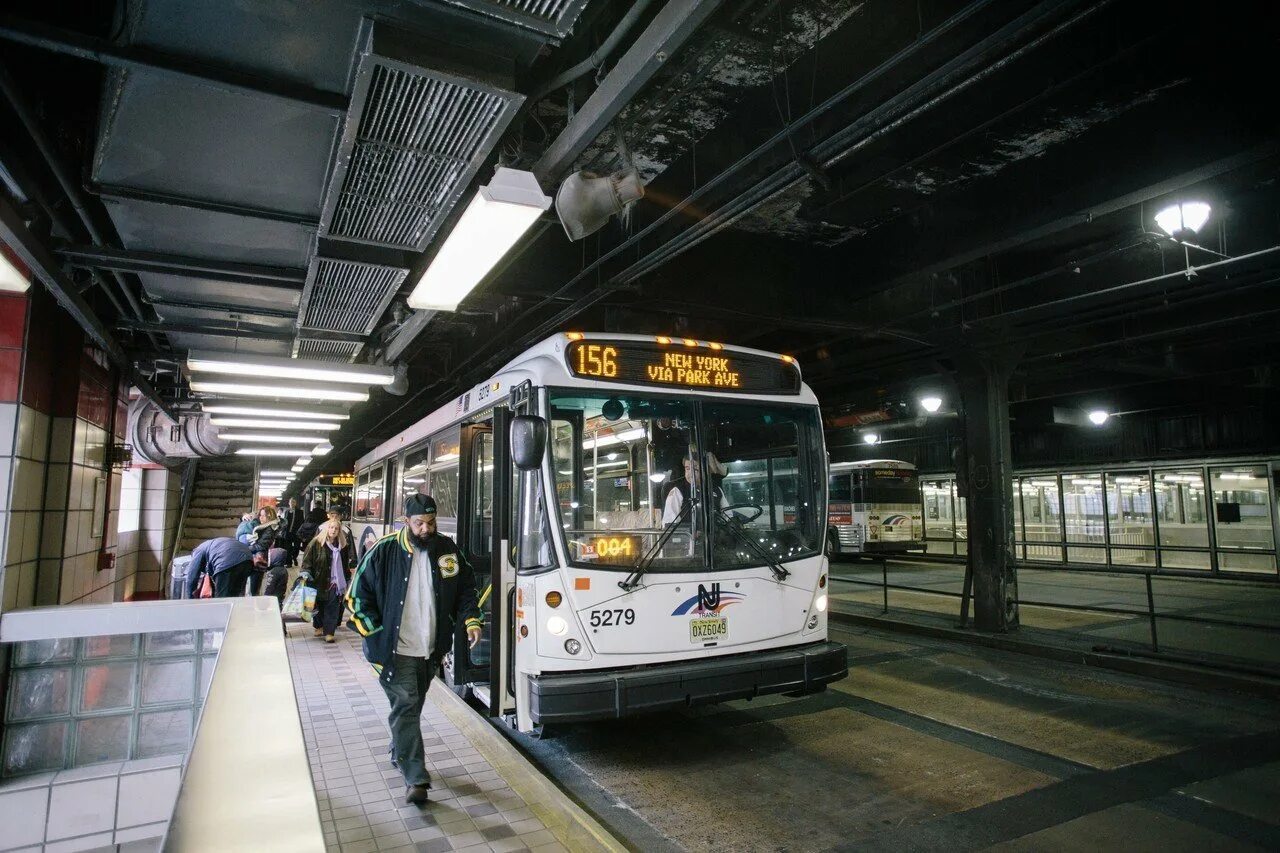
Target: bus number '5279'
[[608, 618]]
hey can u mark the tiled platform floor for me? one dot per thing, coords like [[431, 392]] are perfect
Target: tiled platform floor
[[362, 808]]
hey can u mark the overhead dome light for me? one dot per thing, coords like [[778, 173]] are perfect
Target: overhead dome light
[[870, 438], [496, 218], [288, 391], [244, 364], [1098, 417], [931, 404], [14, 277], [1181, 218]]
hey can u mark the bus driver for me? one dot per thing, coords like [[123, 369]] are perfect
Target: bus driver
[[680, 489]]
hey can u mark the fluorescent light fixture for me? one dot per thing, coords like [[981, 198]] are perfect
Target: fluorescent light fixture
[[657, 478], [270, 451], [274, 472], [293, 390], [496, 218], [273, 410], [304, 459], [281, 367], [264, 423], [931, 404], [445, 457], [616, 438], [1187, 216], [870, 438], [268, 438], [1098, 417], [323, 449], [13, 275]]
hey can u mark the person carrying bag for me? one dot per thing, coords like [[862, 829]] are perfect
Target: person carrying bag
[[329, 561]]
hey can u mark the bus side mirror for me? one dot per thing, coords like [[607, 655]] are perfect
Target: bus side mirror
[[528, 441]]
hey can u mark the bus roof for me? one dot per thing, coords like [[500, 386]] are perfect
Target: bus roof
[[871, 463], [543, 364]]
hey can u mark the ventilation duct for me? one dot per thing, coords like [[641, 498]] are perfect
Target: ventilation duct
[[552, 17], [425, 116], [157, 441]]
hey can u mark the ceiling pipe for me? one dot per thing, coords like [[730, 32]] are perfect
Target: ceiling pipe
[[16, 100], [597, 57]]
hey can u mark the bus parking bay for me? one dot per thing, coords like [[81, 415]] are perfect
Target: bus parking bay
[[930, 744]]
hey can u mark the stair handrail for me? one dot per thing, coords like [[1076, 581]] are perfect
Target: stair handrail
[[187, 490]]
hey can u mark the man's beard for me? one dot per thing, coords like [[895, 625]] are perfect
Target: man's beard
[[420, 541]]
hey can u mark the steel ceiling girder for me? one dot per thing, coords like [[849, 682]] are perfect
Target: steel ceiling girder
[[43, 265]]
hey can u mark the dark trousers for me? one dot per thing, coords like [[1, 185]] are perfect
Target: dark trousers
[[328, 615], [255, 580], [230, 584], [277, 583], [407, 692]]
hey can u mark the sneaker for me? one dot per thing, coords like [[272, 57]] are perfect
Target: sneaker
[[319, 632], [329, 639], [416, 795]]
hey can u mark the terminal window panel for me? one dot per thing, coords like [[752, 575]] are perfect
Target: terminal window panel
[[1129, 519], [1042, 517], [1183, 519], [1083, 517], [1242, 517]]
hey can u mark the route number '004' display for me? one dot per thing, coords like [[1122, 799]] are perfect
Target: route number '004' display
[[643, 363]]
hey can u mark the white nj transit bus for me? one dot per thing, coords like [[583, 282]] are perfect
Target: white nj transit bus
[[645, 517], [874, 508]]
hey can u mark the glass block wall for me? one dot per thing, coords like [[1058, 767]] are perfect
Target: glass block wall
[[88, 700]]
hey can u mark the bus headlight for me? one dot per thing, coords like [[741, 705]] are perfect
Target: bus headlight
[[558, 626], [821, 604], [572, 646]]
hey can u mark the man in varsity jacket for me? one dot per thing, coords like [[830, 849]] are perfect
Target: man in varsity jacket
[[407, 594]]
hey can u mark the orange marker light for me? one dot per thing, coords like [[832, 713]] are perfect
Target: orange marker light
[[582, 583], [788, 359], [663, 339], [554, 598], [690, 342], [716, 346], [573, 336]]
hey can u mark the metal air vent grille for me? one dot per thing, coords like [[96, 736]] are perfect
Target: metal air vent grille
[[553, 17], [346, 296], [326, 350], [419, 140]]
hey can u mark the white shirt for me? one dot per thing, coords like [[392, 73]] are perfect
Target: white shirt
[[418, 621]]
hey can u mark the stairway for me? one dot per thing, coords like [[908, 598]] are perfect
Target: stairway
[[223, 490]]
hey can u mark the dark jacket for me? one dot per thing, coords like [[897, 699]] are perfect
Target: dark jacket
[[318, 561], [215, 556], [376, 596], [266, 536], [291, 519]]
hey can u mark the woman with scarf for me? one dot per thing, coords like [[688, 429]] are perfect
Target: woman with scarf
[[330, 559]]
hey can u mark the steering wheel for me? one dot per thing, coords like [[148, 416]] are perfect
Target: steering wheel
[[738, 518]]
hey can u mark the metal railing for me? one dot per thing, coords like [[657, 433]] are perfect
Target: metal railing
[[1149, 613]]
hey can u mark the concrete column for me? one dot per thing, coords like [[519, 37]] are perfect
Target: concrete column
[[983, 379]]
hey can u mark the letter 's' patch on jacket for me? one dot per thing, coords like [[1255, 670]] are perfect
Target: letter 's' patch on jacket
[[448, 564]]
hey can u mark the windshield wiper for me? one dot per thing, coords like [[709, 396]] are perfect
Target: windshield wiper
[[779, 571], [642, 566]]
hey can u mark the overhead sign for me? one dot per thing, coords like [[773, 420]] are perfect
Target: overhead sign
[[338, 480], [675, 365]]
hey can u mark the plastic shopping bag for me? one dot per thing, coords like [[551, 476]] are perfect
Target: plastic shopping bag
[[300, 604]]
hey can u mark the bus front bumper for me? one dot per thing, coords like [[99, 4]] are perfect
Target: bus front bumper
[[610, 694]]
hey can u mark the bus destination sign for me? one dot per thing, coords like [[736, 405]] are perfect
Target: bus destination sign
[[644, 363]]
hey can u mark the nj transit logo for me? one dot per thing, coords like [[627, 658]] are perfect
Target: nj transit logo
[[895, 521], [707, 601]]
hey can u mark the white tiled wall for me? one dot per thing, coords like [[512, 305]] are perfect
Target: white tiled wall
[[24, 442], [91, 807]]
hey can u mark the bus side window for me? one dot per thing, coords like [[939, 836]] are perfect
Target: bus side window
[[361, 509]]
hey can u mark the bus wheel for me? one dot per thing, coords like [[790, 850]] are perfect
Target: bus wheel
[[831, 546]]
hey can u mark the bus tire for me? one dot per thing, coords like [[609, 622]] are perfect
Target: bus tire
[[832, 553]]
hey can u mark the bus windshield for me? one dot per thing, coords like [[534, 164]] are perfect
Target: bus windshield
[[690, 485]]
